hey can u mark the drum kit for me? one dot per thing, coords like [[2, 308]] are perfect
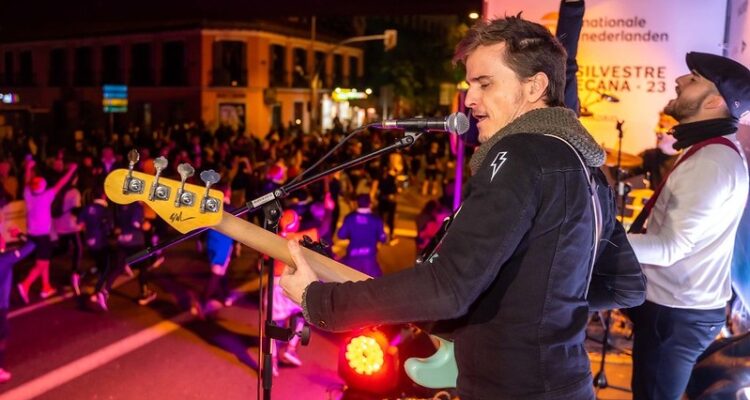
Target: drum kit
[[627, 161]]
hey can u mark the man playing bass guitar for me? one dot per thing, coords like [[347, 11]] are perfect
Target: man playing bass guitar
[[515, 271]]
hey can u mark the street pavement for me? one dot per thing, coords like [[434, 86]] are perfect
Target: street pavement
[[66, 348]]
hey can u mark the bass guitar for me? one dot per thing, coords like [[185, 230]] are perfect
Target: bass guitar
[[187, 207]]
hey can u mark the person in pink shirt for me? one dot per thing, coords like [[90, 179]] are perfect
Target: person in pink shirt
[[39, 224]]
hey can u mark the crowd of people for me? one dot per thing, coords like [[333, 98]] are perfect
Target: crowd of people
[[67, 211]]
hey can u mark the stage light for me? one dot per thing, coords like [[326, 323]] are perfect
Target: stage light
[[364, 355], [369, 362]]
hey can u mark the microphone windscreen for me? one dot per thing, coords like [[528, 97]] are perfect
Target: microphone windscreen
[[458, 123]]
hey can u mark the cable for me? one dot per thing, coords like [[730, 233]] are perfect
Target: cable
[[330, 152]]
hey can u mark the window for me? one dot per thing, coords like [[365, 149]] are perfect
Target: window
[[58, 67], [140, 65], [173, 64], [83, 73], [26, 73], [320, 67], [10, 71], [276, 116], [277, 66], [230, 63], [353, 72], [299, 61], [299, 112], [338, 70], [111, 62]]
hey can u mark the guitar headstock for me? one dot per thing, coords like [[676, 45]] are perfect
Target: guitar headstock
[[182, 205]]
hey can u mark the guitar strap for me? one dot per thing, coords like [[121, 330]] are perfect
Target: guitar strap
[[596, 207], [432, 247], [638, 224]]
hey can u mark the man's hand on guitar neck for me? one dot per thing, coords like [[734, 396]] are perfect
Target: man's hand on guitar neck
[[295, 279]]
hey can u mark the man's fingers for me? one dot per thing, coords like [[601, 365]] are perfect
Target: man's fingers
[[295, 251], [288, 270]]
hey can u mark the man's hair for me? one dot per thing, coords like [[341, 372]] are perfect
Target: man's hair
[[363, 201], [530, 48]]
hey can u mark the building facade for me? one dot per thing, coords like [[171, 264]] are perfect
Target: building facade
[[251, 77]]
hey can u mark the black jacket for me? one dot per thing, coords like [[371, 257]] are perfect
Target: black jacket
[[511, 274]]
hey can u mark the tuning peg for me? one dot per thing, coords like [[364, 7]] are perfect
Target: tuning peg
[[185, 170], [159, 164], [159, 192], [211, 204], [184, 198], [133, 157], [132, 185], [210, 177]]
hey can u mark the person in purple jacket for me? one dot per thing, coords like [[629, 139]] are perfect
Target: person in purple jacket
[[130, 239], [364, 231], [97, 221], [8, 258]]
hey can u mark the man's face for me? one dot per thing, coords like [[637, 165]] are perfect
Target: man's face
[[692, 89], [495, 93]]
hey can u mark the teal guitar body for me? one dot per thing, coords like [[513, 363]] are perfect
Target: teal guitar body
[[437, 371]]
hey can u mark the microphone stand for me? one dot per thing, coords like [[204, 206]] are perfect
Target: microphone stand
[[600, 379], [272, 212]]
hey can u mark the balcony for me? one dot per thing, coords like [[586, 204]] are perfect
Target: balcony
[[230, 78], [278, 78]]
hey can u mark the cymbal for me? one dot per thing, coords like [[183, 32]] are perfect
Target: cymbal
[[626, 160]]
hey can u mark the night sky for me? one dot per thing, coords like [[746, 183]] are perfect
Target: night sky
[[21, 20]]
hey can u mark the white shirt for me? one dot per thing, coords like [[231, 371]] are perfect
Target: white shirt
[[686, 253], [39, 211]]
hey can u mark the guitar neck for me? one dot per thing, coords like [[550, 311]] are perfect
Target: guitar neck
[[273, 245]]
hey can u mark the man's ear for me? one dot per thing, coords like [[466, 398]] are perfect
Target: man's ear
[[536, 87], [714, 101]]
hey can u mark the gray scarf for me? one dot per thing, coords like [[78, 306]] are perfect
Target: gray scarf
[[556, 121]]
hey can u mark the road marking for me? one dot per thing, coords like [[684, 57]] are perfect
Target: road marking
[[74, 369], [68, 293], [41, 304]]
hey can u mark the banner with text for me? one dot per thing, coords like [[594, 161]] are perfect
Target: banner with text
[[631, 51]]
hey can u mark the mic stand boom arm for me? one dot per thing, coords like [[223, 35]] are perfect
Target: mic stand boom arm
[[408, 140]]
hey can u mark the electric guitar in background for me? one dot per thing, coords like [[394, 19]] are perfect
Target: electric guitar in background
[[187, 207]]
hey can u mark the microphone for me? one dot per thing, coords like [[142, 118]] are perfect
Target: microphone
[[609, 98], [457, 123]]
